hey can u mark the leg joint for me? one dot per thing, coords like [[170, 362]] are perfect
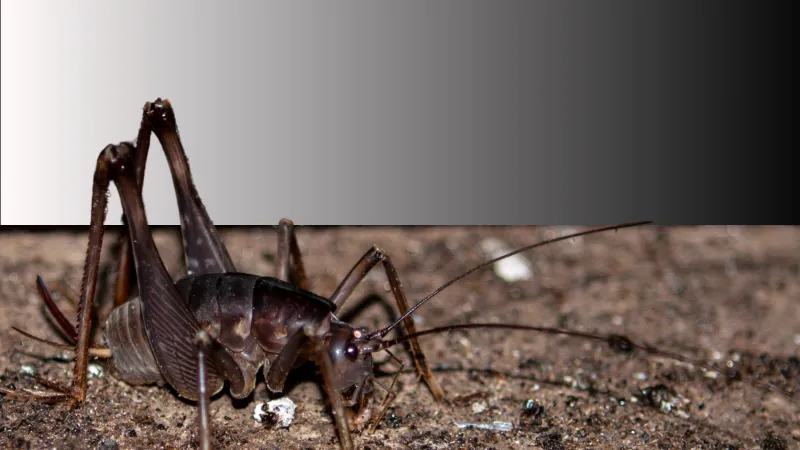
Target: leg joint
[[114, 160], [160, 115], [379, 254]]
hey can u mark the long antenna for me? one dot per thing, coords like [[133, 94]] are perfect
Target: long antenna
[[383, 332], [616, 341]]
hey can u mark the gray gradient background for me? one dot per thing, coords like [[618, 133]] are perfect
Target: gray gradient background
[[409, 112]]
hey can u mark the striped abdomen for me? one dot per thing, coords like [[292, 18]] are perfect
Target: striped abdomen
[[125, 336]]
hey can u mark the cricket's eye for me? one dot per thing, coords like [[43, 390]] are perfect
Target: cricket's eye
[[351, 351]]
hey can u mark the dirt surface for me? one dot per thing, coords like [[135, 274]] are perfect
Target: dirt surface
[[731, 294]]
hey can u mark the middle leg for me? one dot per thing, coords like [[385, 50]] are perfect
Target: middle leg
[[291, 270]]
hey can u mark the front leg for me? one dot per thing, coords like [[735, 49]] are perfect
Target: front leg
[[325, 365], [310, 336]]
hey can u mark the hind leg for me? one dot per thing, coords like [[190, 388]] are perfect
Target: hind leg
[[76, 393], [203, 249]]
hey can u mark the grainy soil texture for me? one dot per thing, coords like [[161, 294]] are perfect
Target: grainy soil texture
[[725, 295]]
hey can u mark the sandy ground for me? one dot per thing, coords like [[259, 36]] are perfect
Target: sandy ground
[[726, 293]]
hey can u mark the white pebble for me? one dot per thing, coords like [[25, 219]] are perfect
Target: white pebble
[[478, 407], [95, 370], [28, 369], [283, 409]]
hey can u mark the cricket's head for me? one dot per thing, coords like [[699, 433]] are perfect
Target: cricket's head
[[352, 368]]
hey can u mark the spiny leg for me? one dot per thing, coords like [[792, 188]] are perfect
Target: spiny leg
[[202, 245], [171, 328], [199, 235], [126, 275], [371, 258], [77, 391], [89, 280], [63, 323], [204, 251], [291, 270], [67, 329], [338, 410]]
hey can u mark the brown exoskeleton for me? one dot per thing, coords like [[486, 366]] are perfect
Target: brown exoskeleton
[[217, 324]]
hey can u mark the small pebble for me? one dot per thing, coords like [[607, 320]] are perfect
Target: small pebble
[[478, 407], [108, 444], [28, 369], [282, 410], [95, 370]]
